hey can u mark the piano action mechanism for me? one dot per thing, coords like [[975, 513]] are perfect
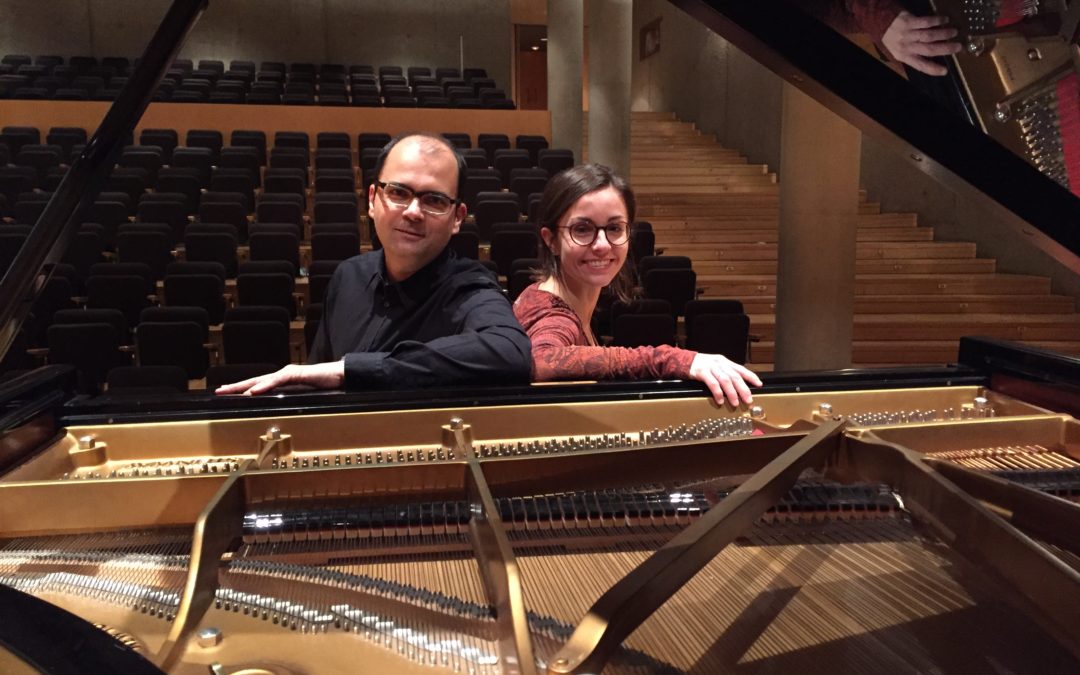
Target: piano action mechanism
[[925, 529]]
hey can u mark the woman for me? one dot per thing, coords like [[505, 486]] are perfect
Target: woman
[[584, 219]]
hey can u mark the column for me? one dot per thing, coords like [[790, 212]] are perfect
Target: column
[[819, 194], [610, 60], [565, 47]]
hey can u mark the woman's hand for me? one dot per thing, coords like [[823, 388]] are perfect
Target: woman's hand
[[725, 379], [914, 40]]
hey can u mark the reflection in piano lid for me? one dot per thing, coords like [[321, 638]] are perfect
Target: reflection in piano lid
[[1018, 65]]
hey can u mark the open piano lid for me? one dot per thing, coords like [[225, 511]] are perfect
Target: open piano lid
[[806, 53]]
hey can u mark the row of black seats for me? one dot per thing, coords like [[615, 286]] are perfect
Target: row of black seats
[[68, 141], [11, 63], [273, 83], [97, 340], [248, 149]]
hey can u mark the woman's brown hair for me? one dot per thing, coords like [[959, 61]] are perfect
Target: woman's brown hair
[[561, 193]]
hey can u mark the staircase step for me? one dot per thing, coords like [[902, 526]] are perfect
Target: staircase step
[[719, 268], [937, 304], [863, 251], [891, 327], [735, 234], [903, 352], [637, 175], [888, 284]]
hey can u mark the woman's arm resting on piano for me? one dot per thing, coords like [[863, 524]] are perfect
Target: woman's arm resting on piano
[[319, 375]]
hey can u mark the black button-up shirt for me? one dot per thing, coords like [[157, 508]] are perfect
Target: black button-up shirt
[[448, 323]]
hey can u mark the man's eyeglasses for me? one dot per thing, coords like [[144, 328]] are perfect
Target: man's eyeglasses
[[585, 232], [431, 202]]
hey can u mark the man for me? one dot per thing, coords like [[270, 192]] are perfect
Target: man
[[411, 314]]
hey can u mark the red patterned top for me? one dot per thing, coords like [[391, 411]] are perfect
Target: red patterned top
[[562, 352], [872, 17]]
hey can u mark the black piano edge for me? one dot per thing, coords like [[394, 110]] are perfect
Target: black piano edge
[[142, 407], [53, 640], [980, 359]]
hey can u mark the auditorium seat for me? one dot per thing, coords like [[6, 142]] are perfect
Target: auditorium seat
[[146, 380], [163, 208], [231, 212], [333, 158], [267, 282], [217, 376], [86, 249], [242, 157], [371, 140], [475, 184], [66, 138], [318, 279], [92, 348], [273, 208], [554, 160], [256, 334], [197, 284], [181, 180], [215, 243], [289, 158], [335, 180], [531, 143], [122, 286], [331, 243], [510, 244], [489, 143], [677, 286], [489, 211], [277, 240], [165, 139], [199, 158], [40, 158], [252, 139], [506, 160], [518, 281], [174, 336], [642, 322], [27, 211], [234, 180], [460, 141], [17, 136], [526, 183], [466, 244], [333, 208], [206, 138], [149, 243], [333, 139], [292, 139], [110, 215], [133, 181]]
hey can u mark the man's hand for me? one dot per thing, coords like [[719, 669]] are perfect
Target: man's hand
[[724, 378], [319, 375], [912, 39]]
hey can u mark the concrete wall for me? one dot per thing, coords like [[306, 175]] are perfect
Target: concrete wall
[[900, 186], [703, 79], [401, 32]]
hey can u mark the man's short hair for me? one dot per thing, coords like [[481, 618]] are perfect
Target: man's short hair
[[437, 138]]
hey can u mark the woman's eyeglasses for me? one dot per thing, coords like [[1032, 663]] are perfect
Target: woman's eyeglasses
[[431, 203], [585, 232]]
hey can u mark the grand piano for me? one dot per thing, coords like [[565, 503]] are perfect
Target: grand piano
[[895, 520]]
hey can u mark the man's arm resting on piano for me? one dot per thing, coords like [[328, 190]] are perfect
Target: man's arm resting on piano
[[318, 375]]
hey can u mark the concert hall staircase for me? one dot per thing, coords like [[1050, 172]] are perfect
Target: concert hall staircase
[[915, 297]]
